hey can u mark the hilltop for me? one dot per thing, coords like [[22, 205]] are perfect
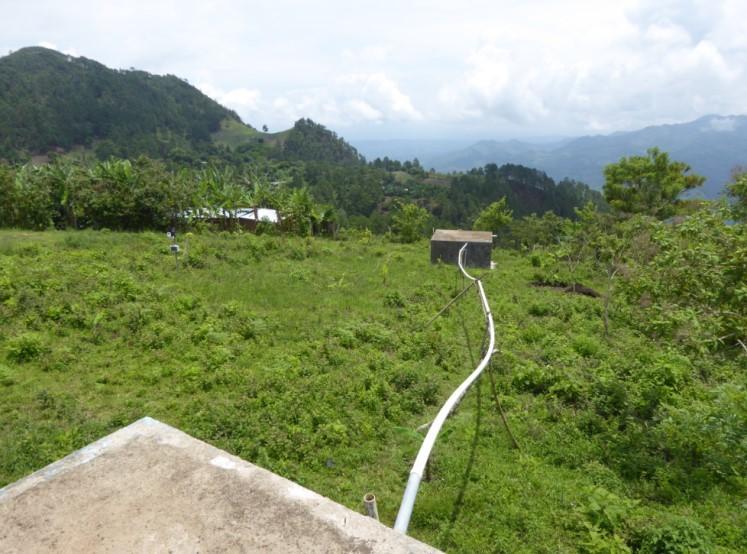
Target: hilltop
[[53, 102]]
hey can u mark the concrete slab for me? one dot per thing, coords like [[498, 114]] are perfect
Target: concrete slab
[[461, 236], [151, 488]]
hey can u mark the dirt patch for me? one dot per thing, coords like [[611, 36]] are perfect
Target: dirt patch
[[573, 288]]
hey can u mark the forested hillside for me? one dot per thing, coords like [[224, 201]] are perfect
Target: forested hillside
[[152, 194], [69, 108], [309, 141], [50, 100]]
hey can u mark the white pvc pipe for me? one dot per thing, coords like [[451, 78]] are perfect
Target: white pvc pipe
[[418, 468], [369, 501]]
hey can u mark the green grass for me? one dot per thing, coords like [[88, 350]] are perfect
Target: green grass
[[232, 133], [311, 358]]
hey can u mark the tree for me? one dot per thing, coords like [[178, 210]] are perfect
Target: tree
[[298, 212], [737, 190], [409, 221], [264, 128], [648, 184], [492, 218]]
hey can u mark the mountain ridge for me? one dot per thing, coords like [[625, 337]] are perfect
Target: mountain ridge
[[54, 102], [712, 145]]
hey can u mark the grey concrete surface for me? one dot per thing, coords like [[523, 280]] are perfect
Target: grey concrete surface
[[446, 243], [151, 488]]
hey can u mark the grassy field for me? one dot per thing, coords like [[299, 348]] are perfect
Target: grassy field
[[312, 358], [233, 134]]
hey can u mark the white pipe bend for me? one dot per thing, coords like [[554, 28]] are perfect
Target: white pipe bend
[[418, 468]]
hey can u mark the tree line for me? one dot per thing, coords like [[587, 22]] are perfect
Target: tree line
[[143, 193]]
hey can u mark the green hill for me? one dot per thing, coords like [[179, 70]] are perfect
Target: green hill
[[51, 101], [306, 141], [309, 141]]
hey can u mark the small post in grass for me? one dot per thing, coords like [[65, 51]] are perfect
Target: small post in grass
[[174, 247], [369, 501]]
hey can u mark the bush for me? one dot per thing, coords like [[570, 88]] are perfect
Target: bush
[[24, 348], [6, 377], [602, 519], [409, 222], [706, 438], [678, 536]]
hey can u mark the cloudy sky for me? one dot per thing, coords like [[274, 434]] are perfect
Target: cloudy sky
[[435, 69]]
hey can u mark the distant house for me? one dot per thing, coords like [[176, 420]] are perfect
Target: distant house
[[247, 218]]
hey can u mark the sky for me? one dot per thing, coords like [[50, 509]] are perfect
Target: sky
[[420, 69]]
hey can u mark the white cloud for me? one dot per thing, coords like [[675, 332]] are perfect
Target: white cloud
[[364, 110], [538, 66], [242, 99], [382, 92], [69, 51], [655, 71], [373, 53], [346, 100], [246, 102]]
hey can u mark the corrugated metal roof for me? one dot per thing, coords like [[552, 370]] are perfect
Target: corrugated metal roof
[[262, 214]]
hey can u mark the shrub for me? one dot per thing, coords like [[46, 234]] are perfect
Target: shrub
[[706, 438], [6, 288], [540, 309], [678, 536], [24, 348], [602, 519], [394, 299], [586, 346], [6, 377]]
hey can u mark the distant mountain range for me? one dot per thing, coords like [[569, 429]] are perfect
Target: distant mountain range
[[408, 149], [712, 145]]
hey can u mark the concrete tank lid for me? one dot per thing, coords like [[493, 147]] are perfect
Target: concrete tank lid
[[453, 235], [149, 487]]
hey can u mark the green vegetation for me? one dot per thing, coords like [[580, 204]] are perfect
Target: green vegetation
[[144, 193], [409, 221], [648, 184], [494, 217], [526, 190], [622, 366], [309, 141], [737, 190], [633, 441], [53, 101], [74, 109], [233, 133]]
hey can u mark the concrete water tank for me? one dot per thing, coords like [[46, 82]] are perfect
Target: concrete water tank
[[446, 243]]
